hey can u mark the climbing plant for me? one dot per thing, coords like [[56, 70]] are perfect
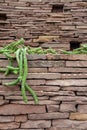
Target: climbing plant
[[81, 50], [18, 51]]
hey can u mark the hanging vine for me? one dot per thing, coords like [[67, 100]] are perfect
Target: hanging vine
[[17, 51]]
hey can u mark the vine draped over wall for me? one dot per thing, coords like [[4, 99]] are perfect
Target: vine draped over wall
[[17, 51], [60, 81]]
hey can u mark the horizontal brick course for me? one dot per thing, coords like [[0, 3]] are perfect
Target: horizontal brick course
[[55, 115], [36, 124], [70, 124], [60, 81], [61, 91], [13, 109]]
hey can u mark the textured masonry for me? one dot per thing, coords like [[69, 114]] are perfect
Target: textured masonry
[[62, 92], [60, 81], [45, 23]]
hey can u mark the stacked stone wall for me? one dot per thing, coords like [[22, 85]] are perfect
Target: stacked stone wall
[[60, 82], [45, 23]]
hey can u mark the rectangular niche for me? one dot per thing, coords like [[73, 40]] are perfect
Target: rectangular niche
[[57, 8], [3, 16], [74, 45]]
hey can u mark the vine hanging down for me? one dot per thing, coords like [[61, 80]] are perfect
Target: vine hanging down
[[17, 50]]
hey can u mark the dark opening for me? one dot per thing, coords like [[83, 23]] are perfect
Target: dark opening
[[3, 16], [74, 44], [28, 4], [57, 8]]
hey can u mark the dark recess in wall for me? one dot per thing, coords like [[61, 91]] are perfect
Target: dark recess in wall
[[74, 44], [3, 16], [57, 8]]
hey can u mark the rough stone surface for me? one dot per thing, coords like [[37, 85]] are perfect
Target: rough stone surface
[[70, 124], [64, 107], [9, 126], [82, 108], [36, 124], [21, 118], [60, 81], [55, 115], [12, 109], [78, 116]]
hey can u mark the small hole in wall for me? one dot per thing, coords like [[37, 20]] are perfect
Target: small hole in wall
[[28, 4], [57, 8], [3, 16], [74, 44]]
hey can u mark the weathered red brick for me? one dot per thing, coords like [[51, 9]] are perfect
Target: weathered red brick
[[73, 82], [36, 57], [74, 76], [79, 89], [68, 28], [76, 63], [37, 70], [77, 57], [82, 108], [9, 126], [45, 63], [36, 124], [64, 107], [21, 118], [52, 108], [69, 124], [82, 93], [67, 70], [46, 88], [16, 109], [69, 98], [36, 82], [46, 116], [60, 93], [4, 119], [44, 75], [4, 89], [41, 102]]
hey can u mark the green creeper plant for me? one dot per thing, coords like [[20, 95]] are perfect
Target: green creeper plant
[[17, 50], [80, 50]]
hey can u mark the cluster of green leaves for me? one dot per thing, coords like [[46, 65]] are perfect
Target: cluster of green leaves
[[39, 50], [80, 50], [17, 50]]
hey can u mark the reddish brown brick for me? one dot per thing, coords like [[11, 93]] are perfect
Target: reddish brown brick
[[16, 109], [70, 124], [44, 75], [76, 63], [70, 82], [12, 125], [46, 116], [52, 108], [4, 119], [21, 118], [82, 108], [36, 124], [67, 107]]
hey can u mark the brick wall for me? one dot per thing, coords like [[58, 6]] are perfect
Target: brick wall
[[44, 23], [60, 82]]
